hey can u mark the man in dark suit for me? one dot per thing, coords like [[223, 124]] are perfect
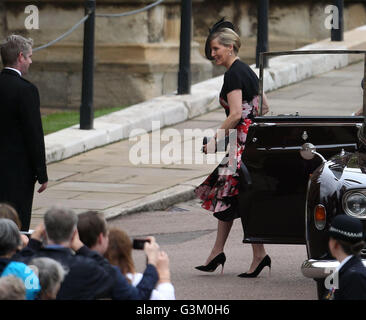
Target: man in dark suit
[[89, 276], [345, 243], [22, 149]]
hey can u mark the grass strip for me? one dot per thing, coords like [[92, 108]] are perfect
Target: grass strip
[[61, 120]]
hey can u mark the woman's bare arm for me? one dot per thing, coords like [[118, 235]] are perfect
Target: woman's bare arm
[[235, 105], [265, 106]]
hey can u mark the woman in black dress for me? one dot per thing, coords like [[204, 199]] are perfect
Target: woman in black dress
[[239, 97]]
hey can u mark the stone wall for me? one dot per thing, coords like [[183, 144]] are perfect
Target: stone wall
[[137, 56], [291, 24]]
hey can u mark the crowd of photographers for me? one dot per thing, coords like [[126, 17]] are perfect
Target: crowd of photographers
[[76, 257]]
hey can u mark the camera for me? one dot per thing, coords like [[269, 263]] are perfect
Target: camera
[[138, 244], [27, 233]]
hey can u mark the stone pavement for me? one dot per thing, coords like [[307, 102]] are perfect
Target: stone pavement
[[105, 179]]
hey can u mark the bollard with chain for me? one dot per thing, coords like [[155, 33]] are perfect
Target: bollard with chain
[[184, 74], [86, 108], [336, 34], [262, 31]]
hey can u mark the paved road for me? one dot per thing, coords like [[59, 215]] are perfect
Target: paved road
[[335, 93], [186, 232]]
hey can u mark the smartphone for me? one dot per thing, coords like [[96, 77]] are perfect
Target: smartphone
[[138, 244], [27, 233]]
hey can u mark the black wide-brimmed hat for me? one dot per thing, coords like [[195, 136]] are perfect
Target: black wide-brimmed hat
[[346, 228], [216, 27]]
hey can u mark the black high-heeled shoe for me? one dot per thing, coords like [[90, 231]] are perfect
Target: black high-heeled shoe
[[214, 263], [266, 261]]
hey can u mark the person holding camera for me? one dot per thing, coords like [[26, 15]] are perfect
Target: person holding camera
[[93, 232], [345, 243], [119, 253], [89, 276]]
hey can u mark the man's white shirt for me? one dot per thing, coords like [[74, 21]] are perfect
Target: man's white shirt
[[16, 70]]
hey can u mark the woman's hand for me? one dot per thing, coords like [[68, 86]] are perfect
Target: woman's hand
[[265, 107], [25, 241], [162, 267], [76, 243], [39, 232], [359, 112], [151, 249], [210, 147]]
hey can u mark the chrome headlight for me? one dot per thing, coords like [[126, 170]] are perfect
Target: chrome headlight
[[354, 204]]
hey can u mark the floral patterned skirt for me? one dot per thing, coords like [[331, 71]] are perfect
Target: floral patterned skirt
[[220, 190]]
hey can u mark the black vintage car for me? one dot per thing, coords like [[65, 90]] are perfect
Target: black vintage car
[[298, 173]]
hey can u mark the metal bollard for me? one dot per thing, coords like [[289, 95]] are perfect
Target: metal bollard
[[184, 74], [86, 108], [262, 31], [337, 34]]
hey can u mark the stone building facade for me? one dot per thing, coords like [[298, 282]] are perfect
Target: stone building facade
[[137, 56]]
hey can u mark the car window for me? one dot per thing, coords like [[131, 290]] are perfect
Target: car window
[[334, 93]]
